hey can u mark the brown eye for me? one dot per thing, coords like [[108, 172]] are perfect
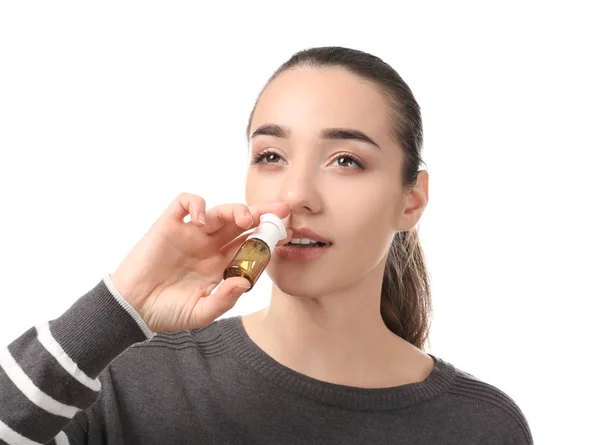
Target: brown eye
[[271, 157], [344, 160], [347, 161], [266, 157]]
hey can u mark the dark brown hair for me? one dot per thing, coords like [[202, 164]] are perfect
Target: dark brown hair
[[405, 294]]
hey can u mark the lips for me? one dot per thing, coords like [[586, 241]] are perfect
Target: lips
[[300, 254], [305, 232]]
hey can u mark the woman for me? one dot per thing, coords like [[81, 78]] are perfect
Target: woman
[[336, 357]]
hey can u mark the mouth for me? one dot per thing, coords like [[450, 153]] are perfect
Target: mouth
[[303, 245], [303, 237], [302, 252]]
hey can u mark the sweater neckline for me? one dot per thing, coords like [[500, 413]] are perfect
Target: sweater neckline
[[349, 397]]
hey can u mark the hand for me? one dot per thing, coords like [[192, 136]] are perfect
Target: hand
[[170, 275]]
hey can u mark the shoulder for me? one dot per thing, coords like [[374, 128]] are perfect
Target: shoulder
[[206, 340], [169, 348], [488, 407]]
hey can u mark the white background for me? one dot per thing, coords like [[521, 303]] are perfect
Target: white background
[[109, 109]]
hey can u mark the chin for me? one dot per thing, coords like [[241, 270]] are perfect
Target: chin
[[294, 282], [299, 290], [304, 284]]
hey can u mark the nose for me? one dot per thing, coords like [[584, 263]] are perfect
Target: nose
[[299, 188]]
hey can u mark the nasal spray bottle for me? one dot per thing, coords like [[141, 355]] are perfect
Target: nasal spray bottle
[[254, 254]]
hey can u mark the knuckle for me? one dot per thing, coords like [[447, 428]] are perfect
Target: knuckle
[[238, 210], [221, 217]]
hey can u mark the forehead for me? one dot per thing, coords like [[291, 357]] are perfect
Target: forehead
[[307, 99]]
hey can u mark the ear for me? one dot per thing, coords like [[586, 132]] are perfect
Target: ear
[[415, 201]]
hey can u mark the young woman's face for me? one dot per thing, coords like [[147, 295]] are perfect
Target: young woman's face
[[346, 189]]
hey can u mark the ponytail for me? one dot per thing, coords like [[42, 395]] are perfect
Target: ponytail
[[406, 294]]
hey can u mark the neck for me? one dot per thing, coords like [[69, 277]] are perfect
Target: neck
[[339, 337]]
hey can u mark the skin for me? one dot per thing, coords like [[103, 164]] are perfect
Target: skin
[[324, 317]]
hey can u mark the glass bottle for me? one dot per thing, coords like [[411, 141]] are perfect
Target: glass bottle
[[253, 256]]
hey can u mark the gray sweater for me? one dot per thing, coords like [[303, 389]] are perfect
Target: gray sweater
[[97, 375]]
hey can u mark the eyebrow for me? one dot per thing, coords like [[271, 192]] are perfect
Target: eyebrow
[[327, 133]]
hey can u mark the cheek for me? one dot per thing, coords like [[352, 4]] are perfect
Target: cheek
[[261, 188], [363, 209], [370, 235], [365, 219]]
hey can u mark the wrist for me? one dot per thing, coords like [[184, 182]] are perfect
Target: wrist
[[114, 285]]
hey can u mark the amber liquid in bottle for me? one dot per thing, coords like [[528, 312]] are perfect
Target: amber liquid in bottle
[[250, 261]]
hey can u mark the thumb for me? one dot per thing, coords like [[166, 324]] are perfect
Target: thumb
[[222, 299]]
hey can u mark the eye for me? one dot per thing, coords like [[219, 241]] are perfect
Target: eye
[[269, 157], [346, 158]]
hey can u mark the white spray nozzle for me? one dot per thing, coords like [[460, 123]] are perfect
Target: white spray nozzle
[[271, 230]]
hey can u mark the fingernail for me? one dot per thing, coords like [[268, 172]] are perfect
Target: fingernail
[[249, 216], [201, 218], [239, 290]]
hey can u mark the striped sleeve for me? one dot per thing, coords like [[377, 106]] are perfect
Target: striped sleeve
[[50, 372]]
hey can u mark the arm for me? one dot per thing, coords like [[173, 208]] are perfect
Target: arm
[[50, 373]]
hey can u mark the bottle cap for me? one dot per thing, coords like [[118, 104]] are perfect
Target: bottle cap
[[271, 230]]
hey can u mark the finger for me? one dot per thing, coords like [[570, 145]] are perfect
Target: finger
[[281, 209], [220, 301], [224, 215], [229, 232], [229, 249], [187, 204], [287, 239]]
